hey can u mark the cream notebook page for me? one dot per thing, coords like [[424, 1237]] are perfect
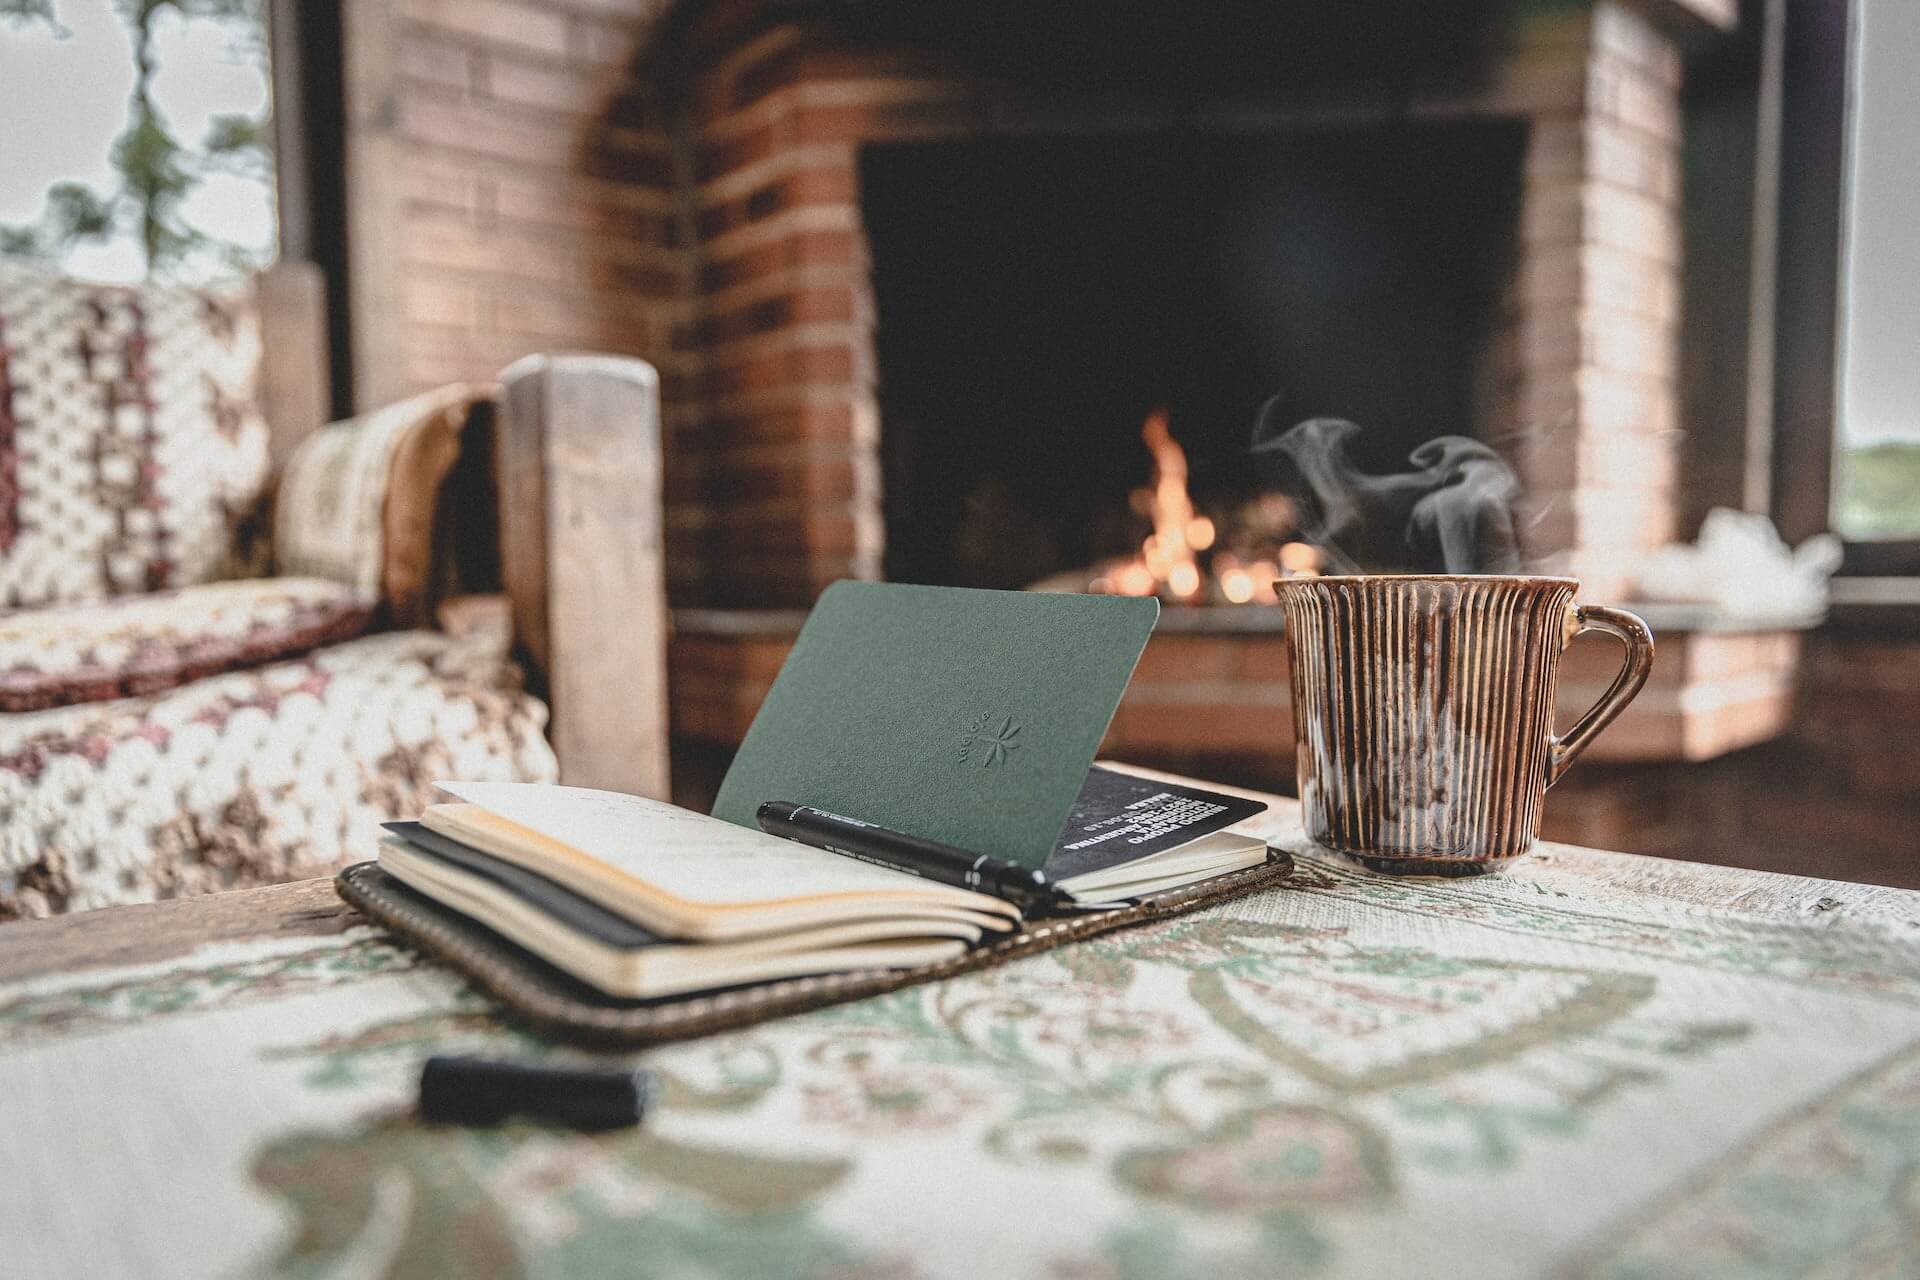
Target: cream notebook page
[[686, 854]]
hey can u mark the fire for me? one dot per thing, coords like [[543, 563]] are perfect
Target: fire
[[1171, 561], [1178, 531]]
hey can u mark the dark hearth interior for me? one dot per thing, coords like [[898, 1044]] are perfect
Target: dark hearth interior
[[1037, 297]]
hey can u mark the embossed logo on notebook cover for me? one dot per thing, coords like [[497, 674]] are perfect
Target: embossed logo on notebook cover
[[989, 740]]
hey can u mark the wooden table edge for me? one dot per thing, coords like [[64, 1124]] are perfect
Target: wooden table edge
[[112, 937]]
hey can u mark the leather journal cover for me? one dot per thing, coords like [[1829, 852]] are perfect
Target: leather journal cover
[[540, 995], [967, 717]]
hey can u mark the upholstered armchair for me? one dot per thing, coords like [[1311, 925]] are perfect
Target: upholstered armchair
[[233, 641]]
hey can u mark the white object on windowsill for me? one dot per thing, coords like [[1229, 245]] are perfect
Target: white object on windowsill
[[1742, 567]]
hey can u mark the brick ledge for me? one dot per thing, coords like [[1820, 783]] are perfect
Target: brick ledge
[[1217, 686]]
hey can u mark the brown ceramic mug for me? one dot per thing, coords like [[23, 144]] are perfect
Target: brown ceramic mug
[[1423, 706]]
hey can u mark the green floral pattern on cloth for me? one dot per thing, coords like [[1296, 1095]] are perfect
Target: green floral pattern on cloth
[[1346, 1077]]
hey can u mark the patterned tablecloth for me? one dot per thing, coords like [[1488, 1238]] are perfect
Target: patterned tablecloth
[[1591, 1065]]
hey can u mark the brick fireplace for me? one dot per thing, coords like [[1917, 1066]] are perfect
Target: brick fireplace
[[780, 413], [707, 183], [836, 157], [820, 145]]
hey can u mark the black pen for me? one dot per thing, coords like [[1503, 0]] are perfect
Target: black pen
[[928, 859]]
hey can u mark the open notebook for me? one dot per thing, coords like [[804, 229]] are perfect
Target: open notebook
[[643, 899], [965, 718]]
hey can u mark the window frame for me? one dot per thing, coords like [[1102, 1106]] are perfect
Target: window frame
[[305, 63], [1810, 298]]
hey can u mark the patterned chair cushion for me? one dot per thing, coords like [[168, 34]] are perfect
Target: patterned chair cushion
[[356, 502], [66, 654], [256, 777], [131, 440]]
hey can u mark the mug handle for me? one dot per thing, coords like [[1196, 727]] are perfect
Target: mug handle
[[1637, 637]]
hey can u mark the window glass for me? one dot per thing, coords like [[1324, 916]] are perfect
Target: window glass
[[1877, 459], [136, 137]]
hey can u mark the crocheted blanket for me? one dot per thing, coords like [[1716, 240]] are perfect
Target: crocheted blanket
[[253, 777]]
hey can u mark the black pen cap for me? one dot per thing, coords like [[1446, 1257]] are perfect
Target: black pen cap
[[775, 810], [486, 1091]]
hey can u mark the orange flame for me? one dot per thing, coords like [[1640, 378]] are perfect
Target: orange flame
[[1169, 562], [1177, 531]]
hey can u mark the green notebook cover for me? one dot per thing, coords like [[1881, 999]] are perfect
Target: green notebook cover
[[959, 715]]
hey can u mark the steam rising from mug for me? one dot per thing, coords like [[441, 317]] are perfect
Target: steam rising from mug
[[1453, 513]]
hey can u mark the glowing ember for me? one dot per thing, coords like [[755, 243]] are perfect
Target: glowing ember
[[1300, 560]]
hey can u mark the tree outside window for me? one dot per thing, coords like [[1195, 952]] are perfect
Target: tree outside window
[[138, 131]]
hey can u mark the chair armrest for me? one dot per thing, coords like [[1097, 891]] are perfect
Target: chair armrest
[[581, 555]]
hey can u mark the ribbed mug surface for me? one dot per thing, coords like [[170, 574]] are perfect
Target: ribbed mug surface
[[1424, 712]]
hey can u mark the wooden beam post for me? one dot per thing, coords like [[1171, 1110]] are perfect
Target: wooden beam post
[[295, 374], [580, 531], [378, 359]]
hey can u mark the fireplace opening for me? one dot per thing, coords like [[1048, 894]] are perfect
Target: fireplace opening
[[1039, 299]]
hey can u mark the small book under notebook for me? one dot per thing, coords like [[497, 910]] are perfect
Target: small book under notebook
[[963, 720]]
